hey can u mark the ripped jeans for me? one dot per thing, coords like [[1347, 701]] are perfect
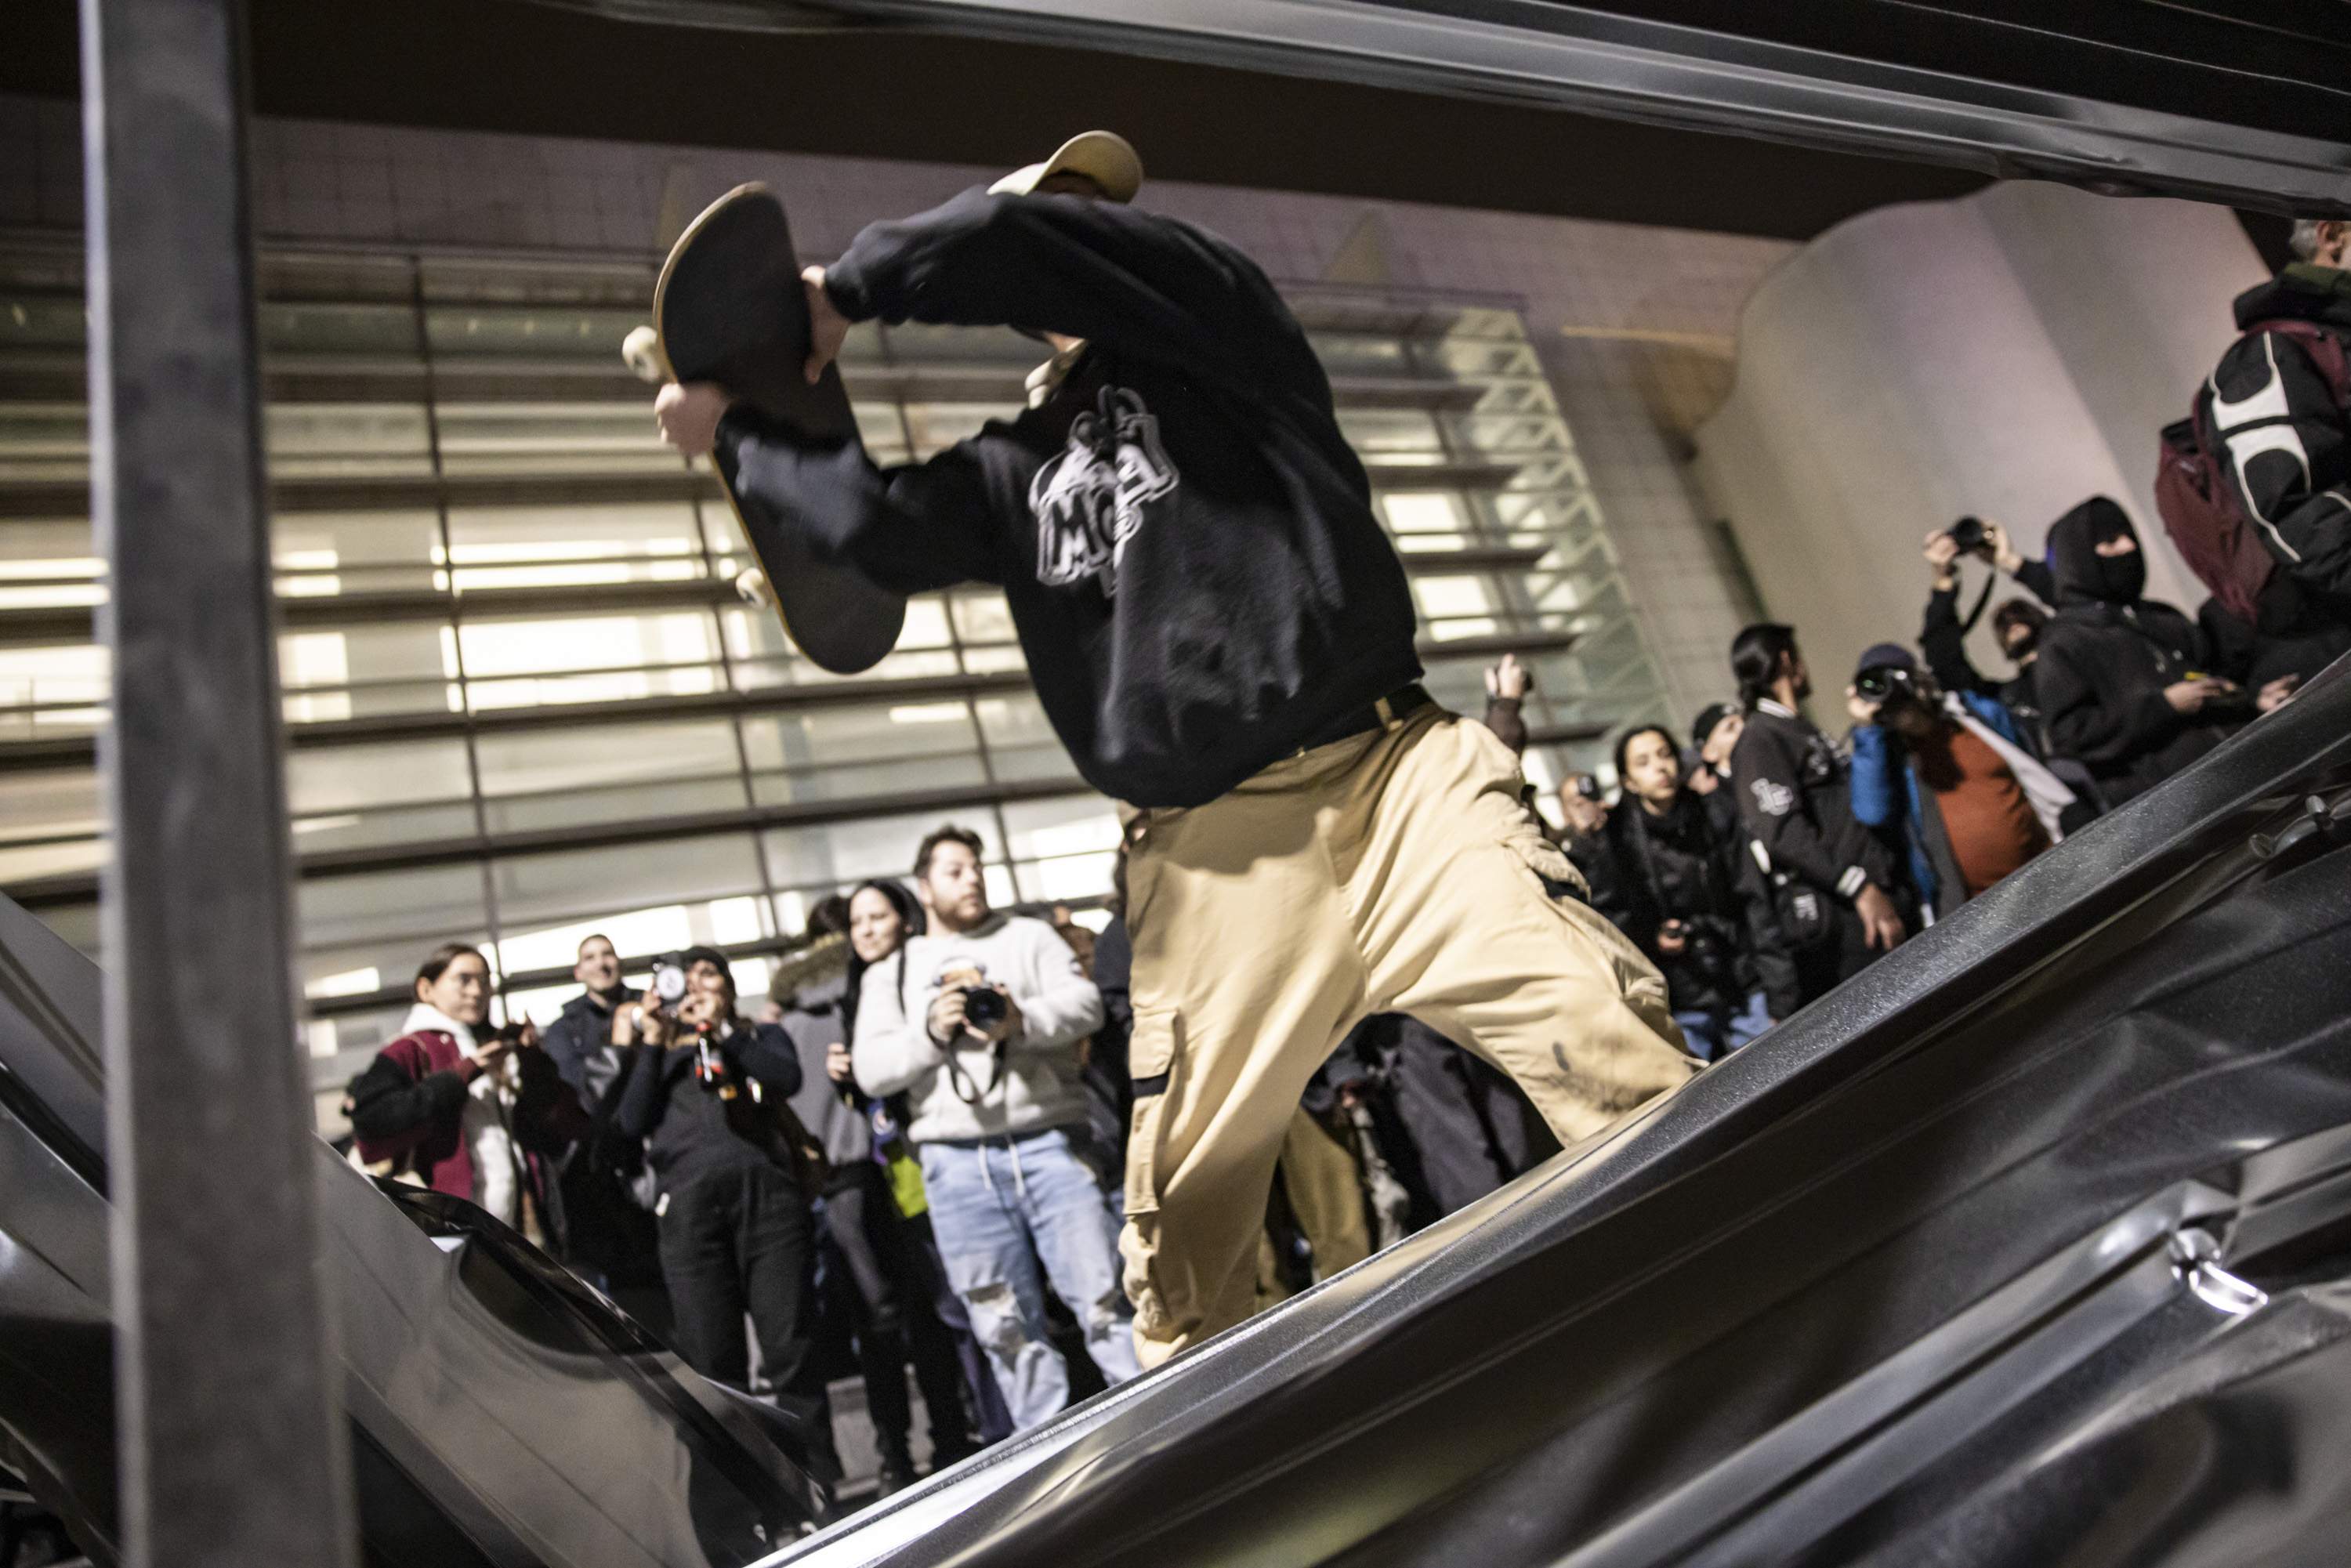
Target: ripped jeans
[[1002, 1207]]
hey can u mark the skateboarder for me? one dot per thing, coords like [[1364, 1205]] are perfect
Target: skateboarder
[[1223, 638]]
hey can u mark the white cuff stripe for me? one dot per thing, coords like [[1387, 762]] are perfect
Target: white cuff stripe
[[1850, 883]]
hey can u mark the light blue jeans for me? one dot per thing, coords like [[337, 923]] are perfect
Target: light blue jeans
[[1713, 1036], [1001, 1207]]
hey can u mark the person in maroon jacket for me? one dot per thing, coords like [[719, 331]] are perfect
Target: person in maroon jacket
[[464, 1109]]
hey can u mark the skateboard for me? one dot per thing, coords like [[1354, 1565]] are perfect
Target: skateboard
[[730, 308]]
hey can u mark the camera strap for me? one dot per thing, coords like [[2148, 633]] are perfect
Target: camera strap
[[1975, 613], [960, 1081]]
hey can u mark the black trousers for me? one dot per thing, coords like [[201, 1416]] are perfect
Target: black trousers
[[1842, 953], [739, 1241], [875, 1282], [1469, 1128]]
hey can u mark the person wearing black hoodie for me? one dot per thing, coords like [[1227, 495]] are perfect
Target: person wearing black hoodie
[[704, 1089], [2127, 684], [2274, 407], [1693, 896], [1223, 637]]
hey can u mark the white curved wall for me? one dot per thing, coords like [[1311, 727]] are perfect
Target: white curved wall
[[2007, 354]]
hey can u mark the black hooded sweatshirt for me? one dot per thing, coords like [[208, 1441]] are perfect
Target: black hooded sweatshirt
[[2285, 441], [2107, 656], [1185, 540]]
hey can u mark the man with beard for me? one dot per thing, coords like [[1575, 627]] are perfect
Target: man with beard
[[2125, 682], [1833, 880], [610, 1235]]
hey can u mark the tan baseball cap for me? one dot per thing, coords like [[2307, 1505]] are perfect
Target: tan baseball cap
[[1105, 157]]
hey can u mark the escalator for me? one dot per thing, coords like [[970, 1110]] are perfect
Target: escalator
[[2032, 1244]]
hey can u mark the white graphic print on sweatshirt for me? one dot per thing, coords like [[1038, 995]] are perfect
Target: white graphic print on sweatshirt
[[1089, 499]]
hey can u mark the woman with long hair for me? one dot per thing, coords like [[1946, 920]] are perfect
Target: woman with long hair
[[883, 914]]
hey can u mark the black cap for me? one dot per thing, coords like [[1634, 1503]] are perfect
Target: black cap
[[1709, 717], [692, 956], [1886, 656]]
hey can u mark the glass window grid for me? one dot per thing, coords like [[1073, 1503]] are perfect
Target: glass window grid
[[1502, 459]]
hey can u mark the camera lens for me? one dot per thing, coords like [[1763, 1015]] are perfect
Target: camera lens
[[983, 1007]]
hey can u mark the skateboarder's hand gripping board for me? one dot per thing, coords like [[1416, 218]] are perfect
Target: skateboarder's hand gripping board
[[737, 327], [689, 415]]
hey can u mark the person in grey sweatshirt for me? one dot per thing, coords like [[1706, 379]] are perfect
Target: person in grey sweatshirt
[[980, 1020]]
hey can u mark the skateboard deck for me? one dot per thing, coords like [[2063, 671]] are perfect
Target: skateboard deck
[[730, 308]]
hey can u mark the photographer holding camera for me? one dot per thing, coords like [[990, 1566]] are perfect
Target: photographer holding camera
[[707, 1092], [1668, 873], [466, 1109], [1952, 772], [979, 1023], [2017, 623]]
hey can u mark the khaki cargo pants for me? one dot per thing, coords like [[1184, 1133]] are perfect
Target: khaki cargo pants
[[1392, 872]]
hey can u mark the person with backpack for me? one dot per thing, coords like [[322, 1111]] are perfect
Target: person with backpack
[[2254, 487], [2128, 684]]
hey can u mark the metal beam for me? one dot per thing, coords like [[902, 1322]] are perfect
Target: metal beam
[[1861, 94], [233, 1446]]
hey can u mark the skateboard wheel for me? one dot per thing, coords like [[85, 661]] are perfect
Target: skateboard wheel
[[754, 588], [641, 348]]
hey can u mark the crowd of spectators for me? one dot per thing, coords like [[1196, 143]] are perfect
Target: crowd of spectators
[[914, 1156]]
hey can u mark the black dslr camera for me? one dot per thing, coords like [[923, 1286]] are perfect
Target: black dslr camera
[[984, 1007], [1968, 534], [1884, 683]]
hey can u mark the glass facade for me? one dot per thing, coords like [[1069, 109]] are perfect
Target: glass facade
[[523, 701]]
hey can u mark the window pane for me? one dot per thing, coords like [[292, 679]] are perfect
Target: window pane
[[552, 437], [46, 562], [357, 778], [828, 736], [496, 648], [537, 547], [314, 440], [422, 907], [537, 760], [355, 552], [576, 884], [837, 854], [1390, 430]]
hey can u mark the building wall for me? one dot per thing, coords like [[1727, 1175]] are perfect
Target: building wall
[[1633, 295], [2007, 355]]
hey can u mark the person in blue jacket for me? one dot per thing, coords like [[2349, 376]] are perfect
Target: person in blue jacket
[[1950, 774]]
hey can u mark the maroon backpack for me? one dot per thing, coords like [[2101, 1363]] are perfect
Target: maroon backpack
[[2198, 506]]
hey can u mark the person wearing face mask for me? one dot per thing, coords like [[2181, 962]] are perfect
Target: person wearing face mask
[[463, 1108], [2127, 684], [1692, 896]]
